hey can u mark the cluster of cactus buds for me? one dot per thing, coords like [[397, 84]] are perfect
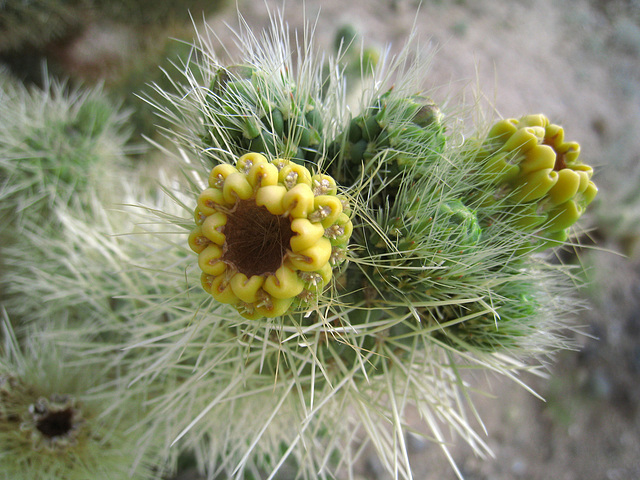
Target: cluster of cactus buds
[[383, 142], [269, 235], [52, 423], [252, 110], [538, 174], [55, 422]]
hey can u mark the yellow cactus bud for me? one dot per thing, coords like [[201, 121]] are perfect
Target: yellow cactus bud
[[221, 290], [250, 160], [197, 241], [540, 157], [262, 175], [274, 307], [209, 260], [313, 258], [271, 197], [298, 201], [323, 185], [307, 234], [550, 177], [502, 130], [237, 186], [284, 284], [246, 289], [219, 174], [497, 166], [524, 139], [340, 232], [534, 185], [212, 227], [534, 120], [209, 199], [563, 216], [589, 194], [326, 209], [293, 174], [565, 188]]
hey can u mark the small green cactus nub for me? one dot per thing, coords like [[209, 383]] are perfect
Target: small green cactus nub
[[462, 223], [250, 110], [400, 131]]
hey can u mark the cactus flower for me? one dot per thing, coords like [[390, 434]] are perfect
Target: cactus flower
[[268, 235]]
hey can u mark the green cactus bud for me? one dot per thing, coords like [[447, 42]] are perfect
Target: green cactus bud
[[314, 119], [462, 224], [252, 109], [392, 136]]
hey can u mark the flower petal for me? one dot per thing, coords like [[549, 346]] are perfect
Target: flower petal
[[246, 289], [285, 283]]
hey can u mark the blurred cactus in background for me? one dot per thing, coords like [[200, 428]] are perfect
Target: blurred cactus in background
[[57, 415], [306, 271], [57, 144], [37, 23]]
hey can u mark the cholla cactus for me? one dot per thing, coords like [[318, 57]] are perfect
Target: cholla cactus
[[57, 417], [439, 277], [56, 143], [259, 351]]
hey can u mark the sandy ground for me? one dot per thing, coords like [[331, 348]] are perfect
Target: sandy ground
[[577, 61]]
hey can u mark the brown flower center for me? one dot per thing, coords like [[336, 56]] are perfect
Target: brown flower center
[[560, 160], [56, 423], [256, 240]]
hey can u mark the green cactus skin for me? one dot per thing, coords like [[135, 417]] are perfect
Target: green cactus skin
[[254, 111], [392, 127]]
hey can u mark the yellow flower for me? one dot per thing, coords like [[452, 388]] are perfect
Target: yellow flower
[[268, 235]]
